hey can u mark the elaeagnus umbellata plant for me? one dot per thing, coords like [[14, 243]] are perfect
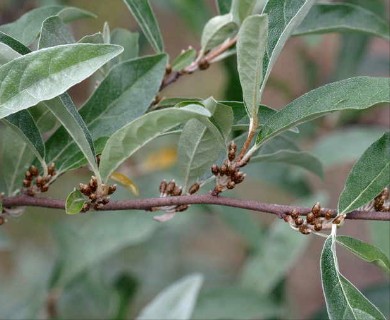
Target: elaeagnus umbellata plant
[[116, 200]]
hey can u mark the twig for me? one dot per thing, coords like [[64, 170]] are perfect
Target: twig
[[150, 203]]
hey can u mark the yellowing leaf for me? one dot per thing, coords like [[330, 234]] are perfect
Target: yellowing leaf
[[126, 182], [160, 160]]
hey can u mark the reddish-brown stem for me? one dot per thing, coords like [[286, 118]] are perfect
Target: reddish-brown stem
[[150, 203]]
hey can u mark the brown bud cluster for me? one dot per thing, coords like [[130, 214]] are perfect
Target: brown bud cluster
[[34, 183], [381, 201], [316, 220], [228, 175], [98, 197]]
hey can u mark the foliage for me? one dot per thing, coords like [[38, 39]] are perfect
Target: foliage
[[124, 124]]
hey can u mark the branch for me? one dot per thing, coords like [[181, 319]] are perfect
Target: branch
[[150, 203]]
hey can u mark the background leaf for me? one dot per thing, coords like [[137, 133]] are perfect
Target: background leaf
[[175, 302], [240, 9], [342, 17], [365, 251], [369, 176], [53, 33], [223, 6], [251, 46], [128, 40], [45, 74], [354, 93], [343, 300], [27, 27], [143, 13], [184, 59]]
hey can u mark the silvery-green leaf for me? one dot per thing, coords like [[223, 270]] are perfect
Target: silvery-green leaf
[[283, 17], [365, 251], [342, 17], [128, 40], [217, 30], [240, 9], [7, 54], [127, 140], [47, 73], [27, 27], [354, 93], [343, 299], [74, 202], [251, 46], [13, 43], [54, 32], [368, 177], [96, 38], [117, 97], [198, 148], [223, 6], [175, 302], [23, 125], [184, 59], [143, 13]]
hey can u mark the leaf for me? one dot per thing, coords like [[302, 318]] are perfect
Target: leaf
[[240, 9], [74, 202], [217, 30], [198, 146], [235, 303], [7, 54], [65, 111], [283, 17], [354, 93], [368, 177], [184, 59], [127, 140], [96, 38], [126, 182], [53, 33], [278, 250], [175, 302], [143, 13], [44, 119], [251, 46], [342, 17], [128, 40], [87, 242], [14, 44], [350, 143], [23, 124], [45, 74], [16, 157], [343, 299], [365, 251], [301, 159], [117, 97], [27, 27], [223, 6]]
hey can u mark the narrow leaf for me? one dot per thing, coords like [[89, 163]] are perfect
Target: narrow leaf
[[198, 147], [343, 299], [184, 59], [217, 30], [45, 74], [301, 159], [240, 9], [74, 202], [126, 182], [53, 33], [143, 13], [27, 27], [7, 54], [24, 126], [354, 93], [342, 17], [14, 44], [175, 302], [118, 96], [365, 251], [128, 40], [368, 177], [223, 6], [251, 46], [284, 16], [127, 140]]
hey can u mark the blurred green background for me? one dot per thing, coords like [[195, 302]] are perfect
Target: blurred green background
[[111, 264]]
